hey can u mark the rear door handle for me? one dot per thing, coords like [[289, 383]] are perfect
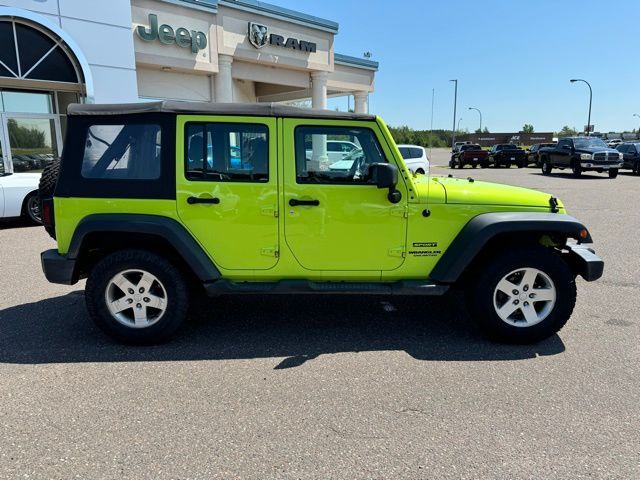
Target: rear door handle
[[308, 203], [194, 200]]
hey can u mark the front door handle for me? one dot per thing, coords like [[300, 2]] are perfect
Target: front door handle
[[194, 200], [308, 203]]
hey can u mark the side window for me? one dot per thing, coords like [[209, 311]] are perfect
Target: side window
[[122, 152], [227, 152], [562, 143], [623, 148], [404, 151], [313, 165]]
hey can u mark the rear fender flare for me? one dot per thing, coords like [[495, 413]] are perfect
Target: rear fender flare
[[164, 227]]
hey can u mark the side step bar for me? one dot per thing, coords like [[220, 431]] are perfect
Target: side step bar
[[407, 287]]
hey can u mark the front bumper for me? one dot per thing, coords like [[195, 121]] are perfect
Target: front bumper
[[585, 262], [591, 164], [58, 268]]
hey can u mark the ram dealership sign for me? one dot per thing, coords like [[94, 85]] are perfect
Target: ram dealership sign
[[181, 36], [259, 37]]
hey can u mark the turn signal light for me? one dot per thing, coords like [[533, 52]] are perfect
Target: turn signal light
[[583, 233]]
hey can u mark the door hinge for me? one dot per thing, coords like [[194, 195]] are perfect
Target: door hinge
[[270, 252], [269, 211], [400, 211], [397, 252]]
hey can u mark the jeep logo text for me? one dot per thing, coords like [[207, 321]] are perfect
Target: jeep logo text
[[180, 37]]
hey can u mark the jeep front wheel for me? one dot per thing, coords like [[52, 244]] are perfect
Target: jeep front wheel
[[523, 296], [137, 297]]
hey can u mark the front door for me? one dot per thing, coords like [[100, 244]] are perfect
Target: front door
[[227, 188], [335, 218]]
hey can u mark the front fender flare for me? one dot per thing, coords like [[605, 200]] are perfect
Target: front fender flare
[[482, 228]]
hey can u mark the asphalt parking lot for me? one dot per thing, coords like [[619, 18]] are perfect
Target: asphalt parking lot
[[329, 387]]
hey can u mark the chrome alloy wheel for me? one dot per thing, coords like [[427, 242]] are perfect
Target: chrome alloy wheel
[[136, 298], [524, 297]]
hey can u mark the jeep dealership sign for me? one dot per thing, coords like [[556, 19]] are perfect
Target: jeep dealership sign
[[167, 36], [259, 37]]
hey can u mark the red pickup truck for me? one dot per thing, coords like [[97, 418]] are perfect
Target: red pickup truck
[[468, 154]]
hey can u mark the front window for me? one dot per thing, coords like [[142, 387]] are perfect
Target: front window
[[122, 152], [589, 142], [313, 165]]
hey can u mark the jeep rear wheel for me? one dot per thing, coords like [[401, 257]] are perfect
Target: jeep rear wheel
[[523, 296], [613, 173], [546, 167], [137, 297]]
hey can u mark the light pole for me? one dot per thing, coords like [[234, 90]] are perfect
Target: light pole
[[636, 115], [455, 104], [480, 113], [573, 80], [458, 128]]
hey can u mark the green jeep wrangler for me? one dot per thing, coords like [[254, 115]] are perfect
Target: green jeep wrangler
[[156, 202]]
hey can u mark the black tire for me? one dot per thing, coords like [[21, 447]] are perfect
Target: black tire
[[47, 186], [546, 167], [613, 173], [481, 290], [171, 278], [420, 171], [576, 168], [474, 165], [520, 164], [31, 208], [636, 168], [484, 165]]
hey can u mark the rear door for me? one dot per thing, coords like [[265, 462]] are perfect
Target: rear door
[[336, 219], [227, 188]]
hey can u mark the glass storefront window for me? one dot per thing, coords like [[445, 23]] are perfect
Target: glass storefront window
[[26, 102], [33, 143]]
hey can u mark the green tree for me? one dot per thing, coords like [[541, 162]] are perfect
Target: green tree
[[527, 128], [566, 132], [25, 137]]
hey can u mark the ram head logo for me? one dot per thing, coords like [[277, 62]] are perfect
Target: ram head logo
[[257, 35]]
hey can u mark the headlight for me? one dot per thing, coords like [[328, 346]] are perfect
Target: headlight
[[586, 156]]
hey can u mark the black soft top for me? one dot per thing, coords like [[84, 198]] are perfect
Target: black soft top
[[239, 109]]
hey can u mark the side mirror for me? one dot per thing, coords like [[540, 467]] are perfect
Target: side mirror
[[385, 175]]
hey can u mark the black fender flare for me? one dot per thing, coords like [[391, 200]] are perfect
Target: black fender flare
[[167, 228], [481, 229]]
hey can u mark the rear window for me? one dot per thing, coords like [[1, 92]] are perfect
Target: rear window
[[410, 152], [122, 152]]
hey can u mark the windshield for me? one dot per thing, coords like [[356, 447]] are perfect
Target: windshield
[[509, 147], [589, 143], [471, 147]]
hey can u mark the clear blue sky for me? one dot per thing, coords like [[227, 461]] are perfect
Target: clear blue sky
[[513, 59]]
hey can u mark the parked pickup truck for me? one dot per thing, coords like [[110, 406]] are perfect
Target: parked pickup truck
[[469, 154], [505, 154], [581, 154]]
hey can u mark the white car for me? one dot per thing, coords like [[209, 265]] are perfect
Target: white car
[[336, 150], [615, 142], [415, 158], [19, 196]]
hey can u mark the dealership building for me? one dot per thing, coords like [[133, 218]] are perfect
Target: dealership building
[[56, 52]]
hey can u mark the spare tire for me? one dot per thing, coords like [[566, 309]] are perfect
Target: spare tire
[[47, 187]]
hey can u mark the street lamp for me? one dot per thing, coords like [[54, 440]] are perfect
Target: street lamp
[[636, 115], [480, 113], [455, 102], [573, 80], [459, 120]]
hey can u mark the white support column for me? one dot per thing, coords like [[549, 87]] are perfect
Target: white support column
[[224, 81], [361, 101], [319, 156]]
